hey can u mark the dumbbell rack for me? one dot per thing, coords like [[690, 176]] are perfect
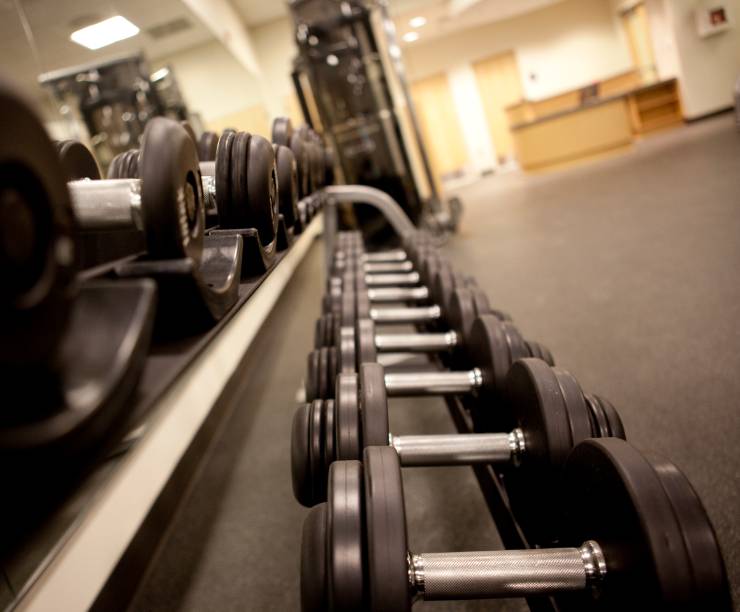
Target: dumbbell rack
[[459, 407], [101, 536]]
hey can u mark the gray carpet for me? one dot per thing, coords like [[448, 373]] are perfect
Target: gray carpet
[[626, 268]]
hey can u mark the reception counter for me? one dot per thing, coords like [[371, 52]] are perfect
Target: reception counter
[[590, 126]]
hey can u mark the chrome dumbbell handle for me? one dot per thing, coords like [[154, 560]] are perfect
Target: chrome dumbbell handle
[[393, 267], [392, 280], [107, 204], [506, 573], [416, 314], [416, 343], [397, 294], [400, 384], [458, 449], [384, 256]]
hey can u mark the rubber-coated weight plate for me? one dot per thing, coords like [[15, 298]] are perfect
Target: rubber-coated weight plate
[[313, 561], [312, 376], [316, 451], [223, 180], [347, 350], [77, 160], [365, 337], [330, 455], [488, 350], [347, 418], [282, 131], [171, 192], [238, 209], [536, 402], [333, 369], [319, 333], [387, 568], [262, 190], [576, 410], [345, 537], [207, 145], [302, 163], [323, 380], [300, 462], [287, 182], [373, 405], [648, 520], [38, 250]]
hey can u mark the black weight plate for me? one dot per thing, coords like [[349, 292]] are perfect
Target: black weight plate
[[362, 305], [114, 168], [576, 410], [443, 285], [461, 312], [313, 561], [312, 376], [347, 350], [300, 463], [535, 400], [373, 405], [223, 179], [262, 189], [330, 454], [387, 548], [348, 307], [333, 361], [287, 181], [606, 419], [515, 341], [329, 329], [282, 131], [323, 380], [488, 349], [131, 161], [365, 342], [345, 554], [302, 163], [189, 129], [319, 335], [38, 250], [481, 305], [316, 451], [207, 146], [347, 418], [648, 519], [171, 192], [77, 160], [238, 209]]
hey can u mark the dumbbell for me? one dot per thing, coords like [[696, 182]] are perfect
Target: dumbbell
[[634, 536], [550, 412], [241, 183], [358, 343], [166, 202], [309, 153]]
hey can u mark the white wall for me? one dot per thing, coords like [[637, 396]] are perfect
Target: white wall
[[709, 66], [215, 84], [559, 48]]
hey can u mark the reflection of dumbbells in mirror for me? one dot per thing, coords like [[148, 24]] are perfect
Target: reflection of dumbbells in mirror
[[241, 184], [466, 345], [634, 534], [549, 412]]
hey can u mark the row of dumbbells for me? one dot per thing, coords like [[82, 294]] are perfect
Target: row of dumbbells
[[54, 196], [609, 527]]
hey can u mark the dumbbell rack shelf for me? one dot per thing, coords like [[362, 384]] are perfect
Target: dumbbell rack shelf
[[93, 546], [495, 496]]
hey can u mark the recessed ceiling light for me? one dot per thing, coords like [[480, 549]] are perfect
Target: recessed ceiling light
[[418, 22], [411, 36], [105, 32]]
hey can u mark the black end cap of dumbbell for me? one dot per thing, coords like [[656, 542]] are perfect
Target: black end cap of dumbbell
[[606, 421], [313, 561], [207, 145]]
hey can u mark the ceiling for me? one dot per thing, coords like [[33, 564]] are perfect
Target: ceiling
[[52, 21]]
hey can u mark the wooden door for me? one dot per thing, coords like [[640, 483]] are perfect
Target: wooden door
[[439, 125], [500, 86], [637, 28]]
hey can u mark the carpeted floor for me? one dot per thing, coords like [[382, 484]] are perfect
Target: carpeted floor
[[627, 268]]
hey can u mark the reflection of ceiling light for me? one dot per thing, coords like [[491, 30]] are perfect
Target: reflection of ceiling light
[[418, 22], [105, 32], [160, 74], [332, 60], [411, 36]]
